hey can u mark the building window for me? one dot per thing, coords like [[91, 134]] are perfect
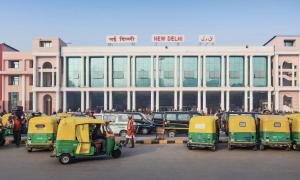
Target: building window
[[74, 72], [46, 44], [190, 71], [260, 71], [31, 64], [14, 64], [236, 71], [13, 100], [213, 71], [166, 71], [142, 71], [289, 43], [14, 80], [120, 71], [97, 65]]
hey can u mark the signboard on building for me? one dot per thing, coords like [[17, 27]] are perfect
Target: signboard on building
[[207, 39], [117, 39], [163, 38]]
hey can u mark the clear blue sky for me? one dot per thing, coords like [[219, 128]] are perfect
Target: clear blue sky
[[87, 22]]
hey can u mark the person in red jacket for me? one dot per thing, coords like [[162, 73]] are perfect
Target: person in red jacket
[[17, 130], [130, 132]]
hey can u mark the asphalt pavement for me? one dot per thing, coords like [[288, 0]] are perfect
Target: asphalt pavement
[[149, 162]]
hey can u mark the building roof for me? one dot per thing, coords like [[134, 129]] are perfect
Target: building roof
[[8, 47], [280, 36]]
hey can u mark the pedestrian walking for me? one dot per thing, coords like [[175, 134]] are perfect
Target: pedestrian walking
[[17, 130], [130, 132]]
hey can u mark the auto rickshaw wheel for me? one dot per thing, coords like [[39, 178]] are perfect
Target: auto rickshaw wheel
[[171, 134], [2, 142], [29, 149], [255, 148], [288, 148], [261, 147], [145, 131], [229, 146], [65, 158], [213, 148], [116, 153], [295, 147]]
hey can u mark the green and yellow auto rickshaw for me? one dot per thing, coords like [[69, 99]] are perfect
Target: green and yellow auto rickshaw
[[41, 133], [63, 115], [7, 124], [242, 132], [294, 120], [274, 131], [202, 132], [2, 133], [80, 137]]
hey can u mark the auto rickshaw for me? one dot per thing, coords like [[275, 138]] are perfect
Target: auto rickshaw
[[75, 139], [2, 133], [294, 120], [41, 133], [202, 132], [242, 132], [63, 115], [274, 131], [7, 124]]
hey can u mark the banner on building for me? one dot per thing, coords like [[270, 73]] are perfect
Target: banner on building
[[167, 38], [117, 39]]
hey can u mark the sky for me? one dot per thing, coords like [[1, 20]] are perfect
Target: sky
[[88, 22]]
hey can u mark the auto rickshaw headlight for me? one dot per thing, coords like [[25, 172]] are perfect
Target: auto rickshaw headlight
[[49, 138]]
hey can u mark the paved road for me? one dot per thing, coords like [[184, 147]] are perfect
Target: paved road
[[155, 162]]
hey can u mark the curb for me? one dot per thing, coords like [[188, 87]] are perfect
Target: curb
[[156, 141]]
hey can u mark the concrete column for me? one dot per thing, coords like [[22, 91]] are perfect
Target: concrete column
[[64, 101], [269, 71], [198, 101], [204, 71], [227, 100], [52, 76], [23, 92], [298, 83], [152, 72], [65, 72], [129, 74], [41, 78], [269, 101], [157, 71], [105, 101], [82, 71], [199, 71], [222, 105], [227, 72], [133, 101], [180, 100], [157, 101], [222, 71], [204, 108], [34, 79], [105, 73], [180, 73], [251, 72], [58, 70], [57, 104], [276, 97], [82, 102], [175, 100], [250, 100], [275, 67], [128, 101], [246, 101], [34, 99], [110, 69], [175, 74], [246, 75], [133, 69], [281, 76], [293, 75], [87, 100], [152, 101], [110, 101], [87, 72]]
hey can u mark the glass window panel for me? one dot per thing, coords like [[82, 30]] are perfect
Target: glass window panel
[[236, 71], [143, 71], [213, 71], [166, 71], [260, 71], [97, 71], [190, 69], [120, 71], [74, 72]]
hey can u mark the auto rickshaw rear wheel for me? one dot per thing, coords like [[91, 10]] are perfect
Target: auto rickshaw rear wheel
[[2, 142], [295, 147], [145, 131], [213, 148], [29, 149], [171, 134], [65, 158], [255, 148], [116, 153], [288, 148], [229, 146], [261, 147]]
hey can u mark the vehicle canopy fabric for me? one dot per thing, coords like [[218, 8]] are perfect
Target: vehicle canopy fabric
[[202, 124], [241, 123], [5, 119], [42, 124], [66, 127], [295, 121], [83, 137], [273, 123]]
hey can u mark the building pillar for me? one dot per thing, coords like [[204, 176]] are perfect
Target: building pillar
[[222, 101], [65, 72], [227, 71], [110, 101], [275, 67], [105, 101], [281, 76], [52, 76], [82, 71], [180, 100], [298, 83], [82, 102], [204, 71], [41, 77], [87, 72], [64, 101], [198, 101], [110, 73], [87, 100], [34, 101], [293, 75], [222, 71], [133, 77], [105, 73], [152, 101], [269, 71], [204, 108], [157, 101], [133, 101], [58, 84], [227, 101], [250, 100], [180, 72], [129, 74], [269, 101], [128, 101], [246, 101], [199, 71], [175, 74], [24, 92], [152, 72], [175, 100], [276, 100], [246, 71], [34, 79], [251, 72], [157, 71]]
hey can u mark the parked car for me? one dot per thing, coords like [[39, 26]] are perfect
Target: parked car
[[118, 122], [173, 121]]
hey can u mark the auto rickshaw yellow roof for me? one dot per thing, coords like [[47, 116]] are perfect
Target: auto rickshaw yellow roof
[[241, 117], [42, 119], [81, 120], [271, 117], [294, 116]]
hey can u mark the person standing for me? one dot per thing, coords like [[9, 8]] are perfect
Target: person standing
[[130, 132], [17, 130]]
